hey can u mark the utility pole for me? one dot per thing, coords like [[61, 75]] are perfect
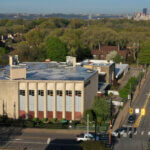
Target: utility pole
[[87, 124], [14, 110], [110, 121]]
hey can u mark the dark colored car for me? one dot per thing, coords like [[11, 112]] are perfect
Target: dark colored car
[[132, 118]]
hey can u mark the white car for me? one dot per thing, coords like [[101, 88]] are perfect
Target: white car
[[120, 131], [86, 137]]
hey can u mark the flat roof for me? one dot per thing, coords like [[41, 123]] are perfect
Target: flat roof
[[120, 68], [97, 63], [50, 71]]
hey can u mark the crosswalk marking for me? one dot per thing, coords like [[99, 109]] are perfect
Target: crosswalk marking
[[142, 132]]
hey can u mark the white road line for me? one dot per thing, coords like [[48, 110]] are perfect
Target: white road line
[[135, 133], [142, 132], [17, 139], [148, 133], [48, 140], [19, 142]]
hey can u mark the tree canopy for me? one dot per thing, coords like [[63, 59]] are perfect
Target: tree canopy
[[55, 49], [102, 108], [80, 37]]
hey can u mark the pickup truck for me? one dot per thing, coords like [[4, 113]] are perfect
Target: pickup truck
[[86, 137]]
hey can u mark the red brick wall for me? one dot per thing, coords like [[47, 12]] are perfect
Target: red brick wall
[[49, 114], [22, 114], [31, 114], [40, 114], [59, 115], [99, 53], [77, 115], [68, 115]]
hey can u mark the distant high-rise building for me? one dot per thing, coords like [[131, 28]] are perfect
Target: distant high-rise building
[[145, 11]]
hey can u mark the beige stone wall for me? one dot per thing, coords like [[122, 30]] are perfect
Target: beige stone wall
[[9, 94], [17, 73], [90, 92], [108, 69], [9, 98]]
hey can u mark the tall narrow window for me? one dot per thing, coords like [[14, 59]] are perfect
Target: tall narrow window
[[50, 92], [77, 101], [41, 92], [59, 93], [59, 100], [69, 101], [69, 93], [22, 92], [31, 92]]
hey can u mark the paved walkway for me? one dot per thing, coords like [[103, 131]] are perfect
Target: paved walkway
[[61, 131]]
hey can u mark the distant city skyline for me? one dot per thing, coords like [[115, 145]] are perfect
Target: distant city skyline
[[73, 6]]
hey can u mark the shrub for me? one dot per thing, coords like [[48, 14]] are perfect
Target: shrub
[[35, 120], [53, 120], [29, 123], [44, 120], [64, 121], [74, 122]]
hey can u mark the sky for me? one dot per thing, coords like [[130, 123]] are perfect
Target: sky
[[73, 6]]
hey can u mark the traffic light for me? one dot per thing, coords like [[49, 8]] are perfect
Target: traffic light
[[143, 111]]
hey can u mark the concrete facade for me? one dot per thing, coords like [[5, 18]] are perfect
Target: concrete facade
[[28, 98], [104, 68], [10, 102]]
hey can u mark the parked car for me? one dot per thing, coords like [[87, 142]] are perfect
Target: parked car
[[85, 137], [132, 118], [120, 131]]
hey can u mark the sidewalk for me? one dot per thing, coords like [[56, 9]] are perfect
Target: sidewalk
[[57, 131]]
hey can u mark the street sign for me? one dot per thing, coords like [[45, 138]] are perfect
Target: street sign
[[131, 110], [143, 111]]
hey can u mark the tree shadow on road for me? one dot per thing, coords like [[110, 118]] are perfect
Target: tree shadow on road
[[63, 144], [7, 134]]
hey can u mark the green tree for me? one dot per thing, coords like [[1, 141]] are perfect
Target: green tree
[[118, 58], [55, 49], [102, 108], [2, 52], [128, 88], [144, 54], [111, 55], [91, 114]]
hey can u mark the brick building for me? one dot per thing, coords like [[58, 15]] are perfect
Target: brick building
[[104, 50]]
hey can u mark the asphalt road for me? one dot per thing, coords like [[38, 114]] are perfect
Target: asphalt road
[[14, 139], [140, 140]]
